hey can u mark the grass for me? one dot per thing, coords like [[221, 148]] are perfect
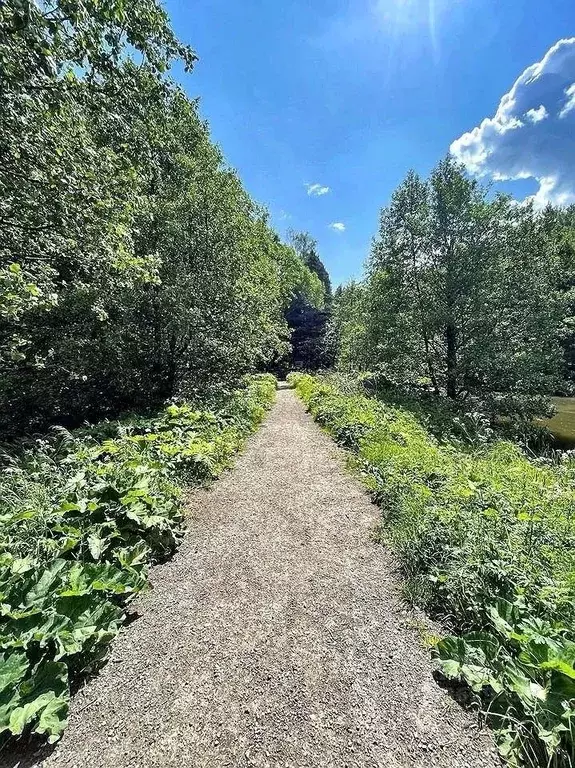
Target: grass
[[486, 539], [83, 516]]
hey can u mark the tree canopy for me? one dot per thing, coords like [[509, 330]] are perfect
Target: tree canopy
[[308, 320], [134, 266], [461, 291]]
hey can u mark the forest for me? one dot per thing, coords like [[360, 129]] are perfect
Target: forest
[[146, 307], [466, 293], [134, 265]]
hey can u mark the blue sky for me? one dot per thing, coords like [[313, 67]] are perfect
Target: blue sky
[[350, 95]]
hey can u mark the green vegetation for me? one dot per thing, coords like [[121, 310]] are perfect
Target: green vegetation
[[465, 323], [133, 265], [83, 515], [311, 346], [136, 274], [486, 539], [465, 292]]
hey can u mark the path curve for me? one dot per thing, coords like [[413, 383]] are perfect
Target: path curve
[[275, 637]]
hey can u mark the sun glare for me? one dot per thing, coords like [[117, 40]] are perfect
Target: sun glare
[[402, 17]]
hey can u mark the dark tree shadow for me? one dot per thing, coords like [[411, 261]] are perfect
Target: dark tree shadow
[[25, 752]]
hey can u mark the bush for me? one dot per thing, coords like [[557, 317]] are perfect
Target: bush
[[486, 538], [83, 516]]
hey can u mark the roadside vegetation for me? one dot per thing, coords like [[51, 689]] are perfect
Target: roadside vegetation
[[137, 275], [486, 541], [83, 515]]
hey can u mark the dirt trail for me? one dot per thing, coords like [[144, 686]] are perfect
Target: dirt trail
[[276, 636]]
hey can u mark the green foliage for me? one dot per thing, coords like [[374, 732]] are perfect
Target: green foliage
[[307, 317], [306, 248], [348, 327], [559, 227], [83, 515], [134, 266], [486, 538], [462, 290], [523, 670]]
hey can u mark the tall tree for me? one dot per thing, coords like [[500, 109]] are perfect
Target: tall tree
[[461, 289], [133, 264], [347, 327], [559, 233], [308, 322], [306, 248]]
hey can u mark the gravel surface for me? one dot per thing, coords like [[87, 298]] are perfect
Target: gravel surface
[[275, 637]]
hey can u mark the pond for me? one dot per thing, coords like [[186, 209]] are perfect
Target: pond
[[562, 425]]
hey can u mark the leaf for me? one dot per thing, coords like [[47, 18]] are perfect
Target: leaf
[[526, 689], [53, 719], [12, 670], [26, 713], [76, 583], [46, 691], [46, 582], [23, 565], [134, 556], [96, 545], [505, 617], [560, 666]]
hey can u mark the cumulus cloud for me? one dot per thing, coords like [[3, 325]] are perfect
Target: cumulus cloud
[[532, 134], [316, 190], [337, 226]]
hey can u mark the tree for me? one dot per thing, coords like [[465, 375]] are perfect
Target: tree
[[461, 289], [559, 232], [306, 248], [348, 327], [308, 321], [134, 267]]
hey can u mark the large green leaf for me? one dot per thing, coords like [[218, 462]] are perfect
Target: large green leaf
[[12, 669], [45, 692], [45, 584]]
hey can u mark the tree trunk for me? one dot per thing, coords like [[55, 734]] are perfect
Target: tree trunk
[[425, 335], [451, 345]]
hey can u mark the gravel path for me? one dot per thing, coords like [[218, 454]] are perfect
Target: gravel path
[[275, 637]]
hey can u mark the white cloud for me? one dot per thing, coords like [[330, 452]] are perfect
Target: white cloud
[[570, 103], [532, 134], [316, 190], [536, 115], [337, 226]]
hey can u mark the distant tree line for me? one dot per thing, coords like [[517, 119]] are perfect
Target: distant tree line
[[310, 347], [465, 292], [133, 264]]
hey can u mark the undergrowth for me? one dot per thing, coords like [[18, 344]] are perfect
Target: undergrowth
[[486, 539], [83, 515]]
